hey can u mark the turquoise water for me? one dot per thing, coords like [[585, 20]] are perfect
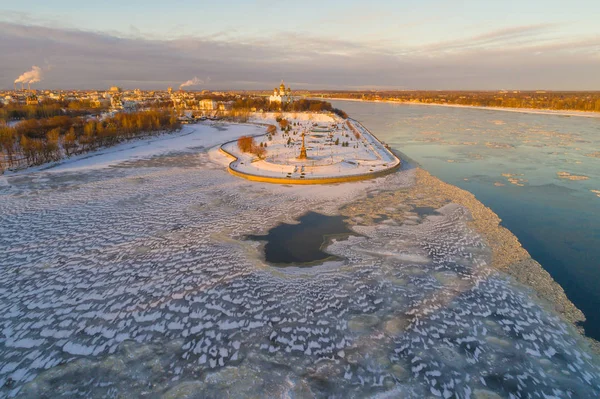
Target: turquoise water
[[556, 219]]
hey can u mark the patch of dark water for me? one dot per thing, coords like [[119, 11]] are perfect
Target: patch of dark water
[[302, 243]]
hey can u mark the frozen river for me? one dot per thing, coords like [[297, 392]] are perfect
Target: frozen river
[[129, 275], [511, 161]]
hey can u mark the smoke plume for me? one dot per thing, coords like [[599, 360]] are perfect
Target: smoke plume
[[33, 76], [192, 82]]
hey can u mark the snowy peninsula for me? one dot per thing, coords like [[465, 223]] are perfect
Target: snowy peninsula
[[309, 148]]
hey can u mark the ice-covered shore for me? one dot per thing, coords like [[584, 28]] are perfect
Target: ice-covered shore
[[134, 280]]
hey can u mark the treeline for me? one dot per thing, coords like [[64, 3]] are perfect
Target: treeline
[[47, 109], [302, 105], [36, 141], [567, 101]]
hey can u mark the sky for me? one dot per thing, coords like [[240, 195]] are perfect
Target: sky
[[254, 44]]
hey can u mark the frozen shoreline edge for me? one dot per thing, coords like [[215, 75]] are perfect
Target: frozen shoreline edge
[[508, 256]]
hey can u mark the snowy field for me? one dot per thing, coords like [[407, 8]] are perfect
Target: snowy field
[[126, 274], [335, 148]]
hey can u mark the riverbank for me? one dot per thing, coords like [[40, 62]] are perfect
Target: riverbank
[[582, 114], [508, 256], [201, 134]]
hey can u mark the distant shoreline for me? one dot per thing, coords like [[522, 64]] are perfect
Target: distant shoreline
[[584, 114]]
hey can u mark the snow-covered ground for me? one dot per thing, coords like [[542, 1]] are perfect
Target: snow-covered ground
[[203, 135], [136, 280], [325, 136]]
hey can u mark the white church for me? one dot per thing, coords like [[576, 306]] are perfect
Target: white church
[[281, 95]]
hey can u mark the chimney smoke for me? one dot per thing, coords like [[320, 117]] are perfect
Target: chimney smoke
[[191, 82], [29, 77]]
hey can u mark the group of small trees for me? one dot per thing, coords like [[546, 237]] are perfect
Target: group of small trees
[[20, 111], [8, 145], [283, 124], [301, 105], [239, 115], [37, 141], [247, 144], [47, 109], [344, 143]]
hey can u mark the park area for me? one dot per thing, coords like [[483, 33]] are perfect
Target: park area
[[311, 147]]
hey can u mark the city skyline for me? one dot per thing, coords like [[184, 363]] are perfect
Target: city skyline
[[433, 45]]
